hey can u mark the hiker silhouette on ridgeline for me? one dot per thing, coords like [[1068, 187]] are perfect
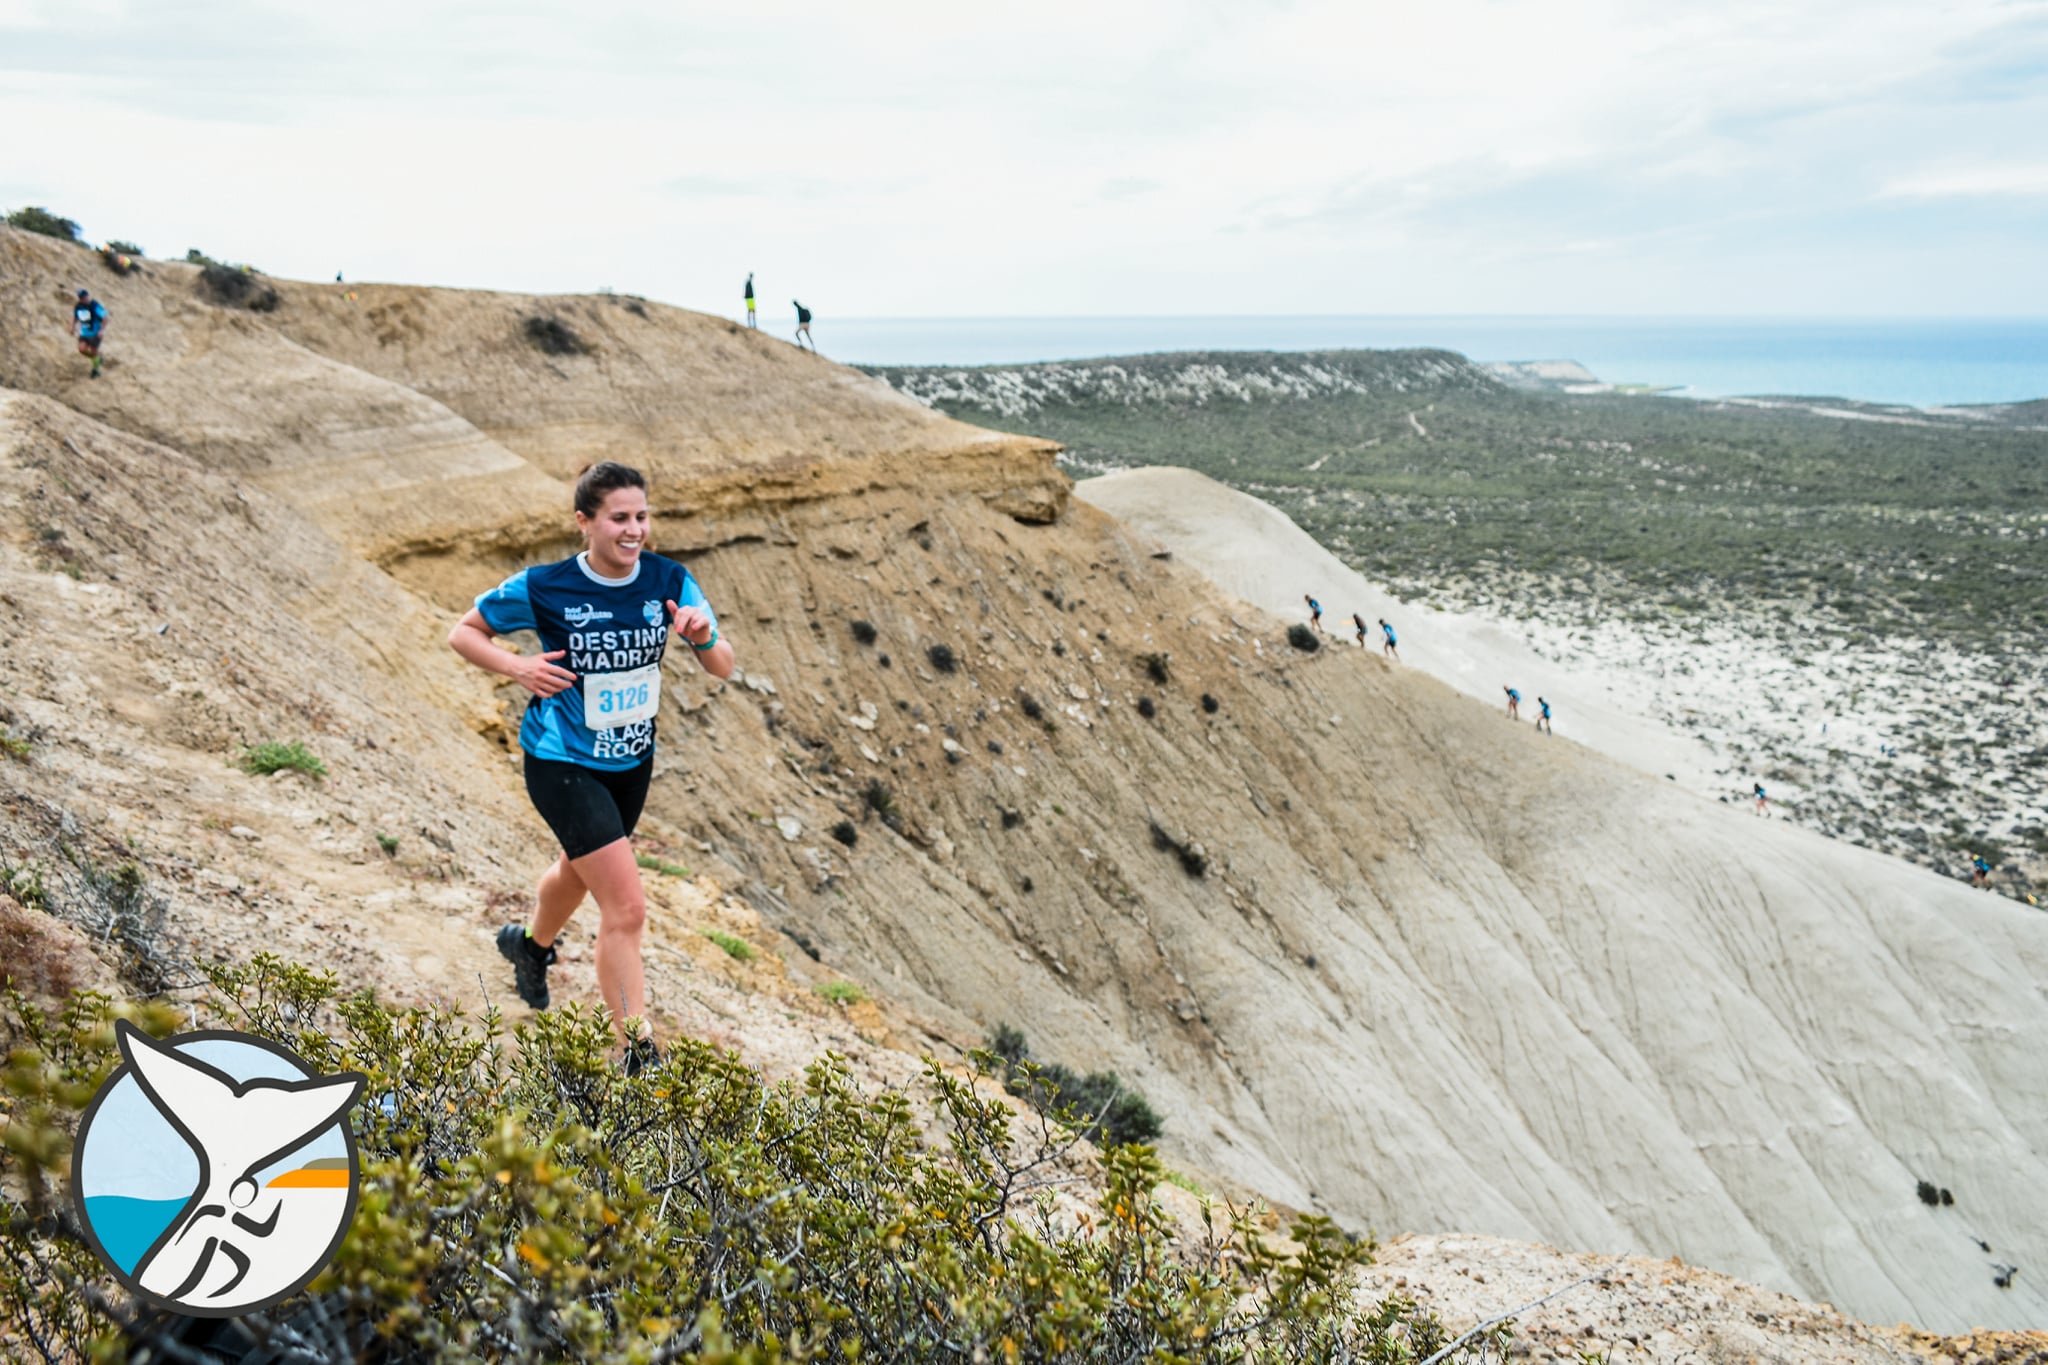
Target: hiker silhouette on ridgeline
[[1543, 717], [1315, 611], [89, 325], [1359, 622], [1514, 703], [751, 322], [803, 327], [1388, 647]]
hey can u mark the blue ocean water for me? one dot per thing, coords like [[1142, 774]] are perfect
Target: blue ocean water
[[127, 1226], [1922, 362]]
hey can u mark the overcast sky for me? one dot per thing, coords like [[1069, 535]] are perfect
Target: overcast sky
[[1117, 157]]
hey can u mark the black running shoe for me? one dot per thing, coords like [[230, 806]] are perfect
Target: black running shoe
[[530, 963], [642, 1055]]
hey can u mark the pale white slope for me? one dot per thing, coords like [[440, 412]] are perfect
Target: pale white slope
[[1597, 1010], [1253, 551]]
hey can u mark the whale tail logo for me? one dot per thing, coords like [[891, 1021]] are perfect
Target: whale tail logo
[[275, 1169]]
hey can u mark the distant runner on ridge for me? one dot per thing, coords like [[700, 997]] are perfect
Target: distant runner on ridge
[[750, 302], [1763, 802], [588, 734], [1543, 717], [1388, 648], [89, 325], [803, 327], [1315, 611], [1514, 703], [1359, 622]]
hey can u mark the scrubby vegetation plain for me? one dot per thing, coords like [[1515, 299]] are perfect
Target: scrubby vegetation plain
[[1882, 566]]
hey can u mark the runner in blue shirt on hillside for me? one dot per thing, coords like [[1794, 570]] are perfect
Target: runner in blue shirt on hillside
[[1315, 611], [604, 618], [1514, 703], [1388, 648], [89, 325], [1543, 717]]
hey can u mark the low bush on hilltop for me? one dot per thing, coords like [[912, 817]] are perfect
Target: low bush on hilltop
[[233, 286], [552, 336], [43, 221], [530, 1203]]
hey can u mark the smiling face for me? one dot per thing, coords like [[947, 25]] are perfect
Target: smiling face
[[618, 532]]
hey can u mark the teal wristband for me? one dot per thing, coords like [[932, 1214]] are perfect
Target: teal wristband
[[708, 644]]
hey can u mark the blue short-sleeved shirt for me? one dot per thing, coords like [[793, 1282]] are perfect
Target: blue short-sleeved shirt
[[611, 629]]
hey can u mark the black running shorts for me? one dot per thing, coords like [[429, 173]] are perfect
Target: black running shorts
[[587, 808]]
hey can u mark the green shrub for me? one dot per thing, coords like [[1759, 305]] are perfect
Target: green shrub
[[264, 759], [553, 336], [1097, 1105], [235, 286], [388, 842], [25, 884], [664, 867], [1303, 639], [736, 948], [45, 222], [530, 1203], [13, 746], [841, 992]]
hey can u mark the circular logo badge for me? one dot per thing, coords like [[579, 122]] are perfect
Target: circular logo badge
[[215, 1174]]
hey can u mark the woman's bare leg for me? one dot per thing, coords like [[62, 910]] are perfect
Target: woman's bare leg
[[613, 878], [561, 892]]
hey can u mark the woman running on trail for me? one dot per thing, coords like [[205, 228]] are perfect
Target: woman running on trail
[[1388, 648], [1763, 802], [604, 618], [1315, 611], [1359, 621], [1514, 703], [1543, 716]]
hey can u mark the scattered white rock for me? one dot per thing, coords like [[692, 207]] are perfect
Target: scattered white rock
[[791, 829]]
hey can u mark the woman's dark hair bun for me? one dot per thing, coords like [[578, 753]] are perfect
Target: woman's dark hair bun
[[598, 481]]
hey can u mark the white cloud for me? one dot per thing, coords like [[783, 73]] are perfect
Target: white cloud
[[1143, 156], [1971, 182]]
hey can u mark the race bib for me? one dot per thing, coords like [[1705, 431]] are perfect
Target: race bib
[[614, 699]]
